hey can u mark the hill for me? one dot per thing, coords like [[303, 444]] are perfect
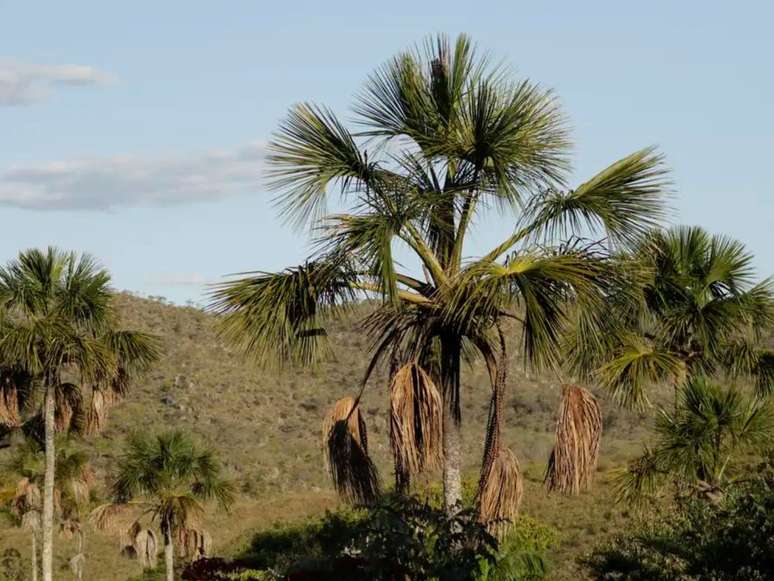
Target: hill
[[266, 428]]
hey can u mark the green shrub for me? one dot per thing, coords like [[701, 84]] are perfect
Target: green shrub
[[732, 539]]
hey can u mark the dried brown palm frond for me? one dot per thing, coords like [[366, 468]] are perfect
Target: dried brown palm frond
[[501, 491], [345, 442], [69, 408], [416, 411], [193, 543], [114, 517], [96, 416], [501, 486], [9, 406], [26, 498], [31, 520], [576, 451], [144, 547]]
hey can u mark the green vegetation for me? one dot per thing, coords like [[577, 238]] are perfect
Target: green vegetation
[[611, 316]]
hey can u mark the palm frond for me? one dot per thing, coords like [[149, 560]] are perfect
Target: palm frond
[[277, 318], [345, 443], [573, 460], [624, 201]]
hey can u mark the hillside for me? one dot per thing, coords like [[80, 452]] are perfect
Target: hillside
[[266, 425]]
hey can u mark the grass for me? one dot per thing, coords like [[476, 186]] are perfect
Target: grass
[[266, 428]]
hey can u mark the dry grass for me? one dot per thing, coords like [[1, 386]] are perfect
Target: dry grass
[[345, 442], [575, 455]]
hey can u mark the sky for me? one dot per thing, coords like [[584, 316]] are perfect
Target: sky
[[136, 131]]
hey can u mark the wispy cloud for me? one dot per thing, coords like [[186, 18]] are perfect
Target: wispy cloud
[[27, 83], [128, 181]]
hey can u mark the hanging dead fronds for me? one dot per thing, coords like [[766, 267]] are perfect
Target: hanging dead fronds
[[501, 491], [574, 458], [9, 405], [96, 416], [193, 543], [69, 408], [145, 547], [416, 420], [345, 442], [27, 497], [501, 486]]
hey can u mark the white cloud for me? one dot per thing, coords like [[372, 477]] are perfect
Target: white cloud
[[128, 181], [27, 83]]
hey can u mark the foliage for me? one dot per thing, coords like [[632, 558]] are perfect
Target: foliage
[[400, 538], [445, 135], [729, 540], [697, 311], [697, 444]]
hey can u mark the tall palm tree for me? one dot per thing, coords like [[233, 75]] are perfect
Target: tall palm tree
[[59, 334], [698, 311], [446, 140], [710, 429], [167, 478]]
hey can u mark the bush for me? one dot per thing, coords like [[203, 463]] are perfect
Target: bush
[[729, 540]]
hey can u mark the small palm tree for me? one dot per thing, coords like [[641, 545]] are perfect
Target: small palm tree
[[58, 338], [698, 311], [696, 443], [72, 488], [446, 140], [167, 479]]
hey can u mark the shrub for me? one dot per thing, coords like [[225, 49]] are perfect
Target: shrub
[[732, 539]]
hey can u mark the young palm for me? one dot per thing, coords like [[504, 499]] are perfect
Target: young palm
[[699, 312], [72, 487], [168, 479], [696, 443], [445, 139], [57, 336]]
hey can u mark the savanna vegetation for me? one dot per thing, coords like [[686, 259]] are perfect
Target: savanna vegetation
[[589, 398]]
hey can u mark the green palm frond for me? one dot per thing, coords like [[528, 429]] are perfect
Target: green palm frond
[[635, 365], [311, 150], [278, 318], [624, 201]]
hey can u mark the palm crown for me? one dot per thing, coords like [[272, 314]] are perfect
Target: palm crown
[[444, 136]]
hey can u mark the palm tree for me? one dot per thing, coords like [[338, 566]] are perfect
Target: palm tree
[[698, 312], [446, 140], [695, 444], [167, 478], [57, 326], [72, 487]]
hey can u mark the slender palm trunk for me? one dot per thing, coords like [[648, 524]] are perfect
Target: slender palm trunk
[[34, 556], [48, 485], [452, 424], [169, 552]]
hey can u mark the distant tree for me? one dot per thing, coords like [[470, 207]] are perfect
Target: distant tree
[[711, 428], [166, 478], [699, 312], [447, 139], [57, 327]]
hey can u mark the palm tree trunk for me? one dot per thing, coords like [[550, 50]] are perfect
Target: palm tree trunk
[[48, 485], [169, 552], [452, 424], [34, 556]]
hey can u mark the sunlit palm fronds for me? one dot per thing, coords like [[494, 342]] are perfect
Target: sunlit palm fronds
[[573, 460]]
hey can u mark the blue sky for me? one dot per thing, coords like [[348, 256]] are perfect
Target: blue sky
[[134, 130]]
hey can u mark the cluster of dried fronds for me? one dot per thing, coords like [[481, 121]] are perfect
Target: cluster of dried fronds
[[416, 422], [578, 434], [501, 486], [345, 442], [193, 543], [9, 404], [142, 544]]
